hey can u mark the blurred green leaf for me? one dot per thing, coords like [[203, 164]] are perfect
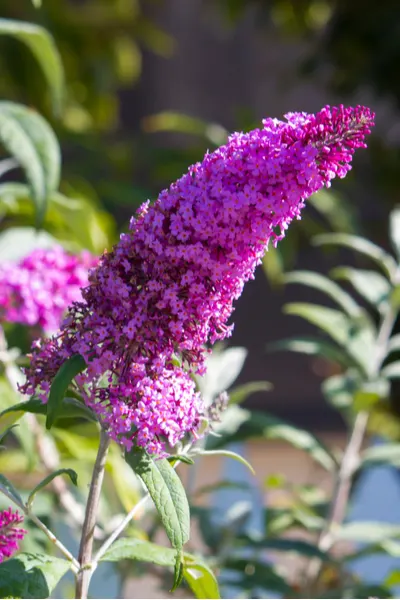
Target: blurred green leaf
[[371, 286], [228, 454], [392, 371], [326, 286], [178, 122], [70, 472], [385, 454], [369, 393], [241, 392], [358, 244], [367, 531], [261, 425], [223, 368], [32, 142], [167, 493], [340, 389], [64, 376], [42, 46], [356, 336], [394, 229], [7, 488], [31, 575], [312, 346], [289, 545]]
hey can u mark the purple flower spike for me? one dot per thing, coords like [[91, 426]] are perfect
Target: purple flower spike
[[10, 534], [168, 287]]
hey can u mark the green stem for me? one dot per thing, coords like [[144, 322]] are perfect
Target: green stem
[[86, 545]]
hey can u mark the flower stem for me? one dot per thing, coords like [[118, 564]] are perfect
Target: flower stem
[[86, 545]]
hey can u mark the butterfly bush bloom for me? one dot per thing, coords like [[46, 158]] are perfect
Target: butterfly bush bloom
[[39, 288], [167, 288], [10, 533]]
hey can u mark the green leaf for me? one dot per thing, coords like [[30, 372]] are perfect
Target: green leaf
[[71, 408], [68, 370], [140, 550], [370, 393], [394, 344], [392, 371], [7, 488], [326, 286], [174, 458], [290, 545], [241, 392], [228, 454], [254, 574], [394, 229], [385, 261], [31, 575], [29, 138], [356, 336], [178, 570], [385, 454], [223, 368], [257, 424], [371, 286], [167, 493], [42, 46], [70, 472], [339, 390], [367, 531], [311, 346], [201, 580], [37, 3]]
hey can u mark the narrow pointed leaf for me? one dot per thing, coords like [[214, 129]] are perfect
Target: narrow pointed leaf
[[371, 285], [356, 336], [241, 392], [70, 472], [31, 575], [167, 493], [42, 46], [72, 367], [311, 346], [392, 371], [7, 488], [32, 142], [71, 408], [358, 244], [255, 425], [394, 229], [385, 454], [228, 454], [178, 571], [326, 286]]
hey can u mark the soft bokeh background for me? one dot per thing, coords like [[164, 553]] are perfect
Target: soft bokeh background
[[153, 84]]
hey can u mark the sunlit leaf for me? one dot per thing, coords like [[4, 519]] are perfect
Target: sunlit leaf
[[392, 371], [356, 336], [223, 368], [42, 46], [358, 244], [241, 392], [201, 580], [312, 346], [17, 242], [167, 493], [394, 229], [371, 286], [367, 531], [32, 142], [140, 550], [228, 454], [257, 424], [7, 488], [385, 454], [326, 286]]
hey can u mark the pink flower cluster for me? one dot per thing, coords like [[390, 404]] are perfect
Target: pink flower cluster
[[168, 287], [38, 289], [10, 534]]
